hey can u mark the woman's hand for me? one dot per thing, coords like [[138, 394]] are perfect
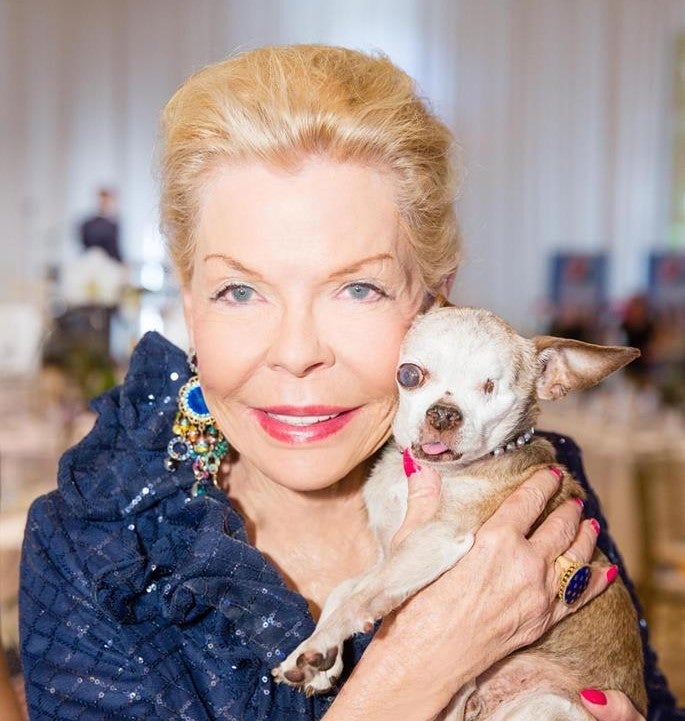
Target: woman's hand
[[502, 550], [501, 596], [610, 705]]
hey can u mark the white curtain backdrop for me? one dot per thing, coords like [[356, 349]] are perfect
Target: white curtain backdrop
[[563, 109]]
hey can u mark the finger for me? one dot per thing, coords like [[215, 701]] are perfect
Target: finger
[[524, 506], [583, 545], [601, 577], [609, 705], [560, 530], [581, 551], [423, 497]]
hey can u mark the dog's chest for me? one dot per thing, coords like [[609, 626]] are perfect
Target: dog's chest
[[466, 499]]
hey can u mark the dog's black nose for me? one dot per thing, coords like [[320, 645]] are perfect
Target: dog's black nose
[[443, 418]]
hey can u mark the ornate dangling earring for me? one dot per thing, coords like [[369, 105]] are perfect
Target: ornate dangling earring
[[196, 437]]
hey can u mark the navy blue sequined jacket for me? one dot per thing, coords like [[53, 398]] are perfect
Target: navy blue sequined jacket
[[140, 601]]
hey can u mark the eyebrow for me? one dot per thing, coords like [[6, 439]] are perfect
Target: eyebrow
[[233, 263], [357, 266], [347, 270]]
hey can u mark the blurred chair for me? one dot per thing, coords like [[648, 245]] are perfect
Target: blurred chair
[[661, 493]]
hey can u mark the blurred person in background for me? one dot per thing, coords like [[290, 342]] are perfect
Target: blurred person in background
[[102, 229], [639, 328]]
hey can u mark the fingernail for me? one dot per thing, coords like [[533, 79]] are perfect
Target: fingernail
[[594, 695], [612, 572], [579, 501], [557, 472], [410, 465], [595, 526]]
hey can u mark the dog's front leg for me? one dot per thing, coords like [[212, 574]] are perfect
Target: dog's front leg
[[420, 558], [313, 666]]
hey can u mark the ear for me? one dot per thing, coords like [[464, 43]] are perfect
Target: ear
[[446, 287], [567, 365], [441, 298]]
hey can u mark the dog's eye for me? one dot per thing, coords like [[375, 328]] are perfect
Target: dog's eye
[[489, 386], [409, 375]]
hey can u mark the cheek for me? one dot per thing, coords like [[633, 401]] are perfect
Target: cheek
[[227, 353], [371, 351]]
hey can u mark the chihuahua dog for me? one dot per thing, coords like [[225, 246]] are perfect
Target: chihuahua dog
[[468, 392]]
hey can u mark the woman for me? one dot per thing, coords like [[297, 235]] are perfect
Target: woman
[[307, 199]]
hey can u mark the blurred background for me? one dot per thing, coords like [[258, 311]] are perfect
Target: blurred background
[[571, 119]]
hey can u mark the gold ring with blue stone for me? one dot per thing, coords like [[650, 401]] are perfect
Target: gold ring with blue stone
[[575, 577]]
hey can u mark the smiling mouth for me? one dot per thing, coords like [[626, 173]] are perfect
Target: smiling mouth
[[301, 420], [294, 425]]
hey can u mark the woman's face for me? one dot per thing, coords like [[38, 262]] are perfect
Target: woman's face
[[296, 309]]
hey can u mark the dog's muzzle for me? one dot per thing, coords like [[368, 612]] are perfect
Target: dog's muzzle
[[444, 417]]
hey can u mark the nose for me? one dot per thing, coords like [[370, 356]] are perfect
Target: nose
[[443, 417], [298, 346]]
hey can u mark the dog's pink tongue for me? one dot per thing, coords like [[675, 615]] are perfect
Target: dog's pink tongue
[[433, 449]]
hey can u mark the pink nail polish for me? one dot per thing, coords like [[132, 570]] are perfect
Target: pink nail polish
[[595, 526], [579, 501], [557, 472], [594, 695], [612, 572], [410, 465]]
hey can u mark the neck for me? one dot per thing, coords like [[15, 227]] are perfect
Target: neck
[[270, 508], [315, 538]]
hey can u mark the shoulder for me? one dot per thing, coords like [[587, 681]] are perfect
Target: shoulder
[[113, 480], [45, 522], [119, 466]]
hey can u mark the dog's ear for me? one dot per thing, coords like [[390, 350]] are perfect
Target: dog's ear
[[566, 365]]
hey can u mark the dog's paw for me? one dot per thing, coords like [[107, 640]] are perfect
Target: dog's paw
[[310, 670]]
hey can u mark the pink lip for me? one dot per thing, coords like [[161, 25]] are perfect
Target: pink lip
[[286, 433]]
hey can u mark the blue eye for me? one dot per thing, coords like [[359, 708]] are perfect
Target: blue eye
[[240, 293], [364, 291], [235, 293]]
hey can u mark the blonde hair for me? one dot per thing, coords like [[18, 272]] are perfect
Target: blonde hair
[[280, 105]]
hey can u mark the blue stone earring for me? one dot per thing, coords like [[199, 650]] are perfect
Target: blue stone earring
[[196, 438]]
